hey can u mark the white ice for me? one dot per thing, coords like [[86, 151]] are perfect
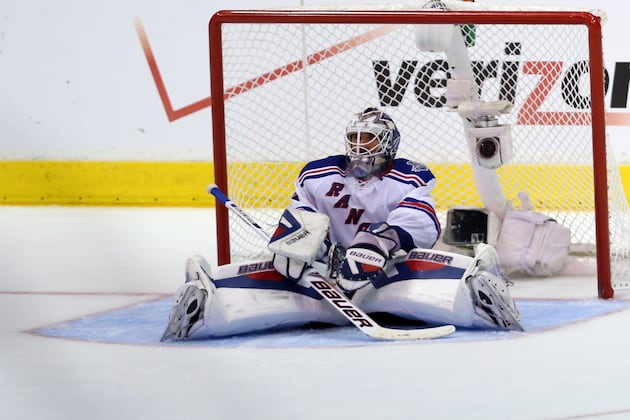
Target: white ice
[[64, 263]]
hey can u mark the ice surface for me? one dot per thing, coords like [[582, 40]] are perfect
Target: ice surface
[[83, 292]]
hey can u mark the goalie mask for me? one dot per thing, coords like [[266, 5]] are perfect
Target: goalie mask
[[371, 143]]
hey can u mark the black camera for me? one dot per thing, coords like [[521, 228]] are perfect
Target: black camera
[[488, 147], [492, 141]]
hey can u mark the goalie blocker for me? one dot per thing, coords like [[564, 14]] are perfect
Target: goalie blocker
[[298, 241]]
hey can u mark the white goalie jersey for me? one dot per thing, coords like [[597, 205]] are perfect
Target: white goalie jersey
[[400, 197]]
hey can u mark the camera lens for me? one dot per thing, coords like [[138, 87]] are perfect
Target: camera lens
[[488, 146]]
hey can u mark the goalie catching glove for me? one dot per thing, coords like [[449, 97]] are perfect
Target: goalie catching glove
[[367, 255], [297, 241]]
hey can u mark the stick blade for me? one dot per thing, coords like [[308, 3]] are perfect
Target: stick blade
[[383, 333]]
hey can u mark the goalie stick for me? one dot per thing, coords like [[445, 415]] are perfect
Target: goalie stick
[[338, 300]]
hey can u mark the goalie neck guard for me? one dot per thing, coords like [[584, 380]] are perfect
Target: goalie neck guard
[[371, 143]]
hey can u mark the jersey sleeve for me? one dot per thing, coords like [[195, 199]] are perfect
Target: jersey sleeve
[[414, 217]]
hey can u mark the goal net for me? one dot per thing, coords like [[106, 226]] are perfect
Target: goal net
[[286, 83]]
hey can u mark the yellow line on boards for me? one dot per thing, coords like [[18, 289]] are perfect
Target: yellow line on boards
[[183, 184], [105, 183]]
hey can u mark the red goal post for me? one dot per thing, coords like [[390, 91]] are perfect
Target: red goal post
[[266, 64]]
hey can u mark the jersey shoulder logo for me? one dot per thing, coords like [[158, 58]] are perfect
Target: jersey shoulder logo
[[417, 167]]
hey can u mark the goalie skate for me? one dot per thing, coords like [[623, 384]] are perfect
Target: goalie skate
[[189, 301], [492, 298]]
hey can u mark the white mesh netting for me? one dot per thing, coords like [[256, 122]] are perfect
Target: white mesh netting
[[290, 90]]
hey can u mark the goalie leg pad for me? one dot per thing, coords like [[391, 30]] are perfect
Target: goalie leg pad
[[492, 300], [232, 309], [190, 301], [186, 313]]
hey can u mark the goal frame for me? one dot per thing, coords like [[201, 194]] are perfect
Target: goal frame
[[597, 90]]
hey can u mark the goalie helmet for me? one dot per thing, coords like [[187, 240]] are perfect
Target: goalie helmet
[[371, 143]]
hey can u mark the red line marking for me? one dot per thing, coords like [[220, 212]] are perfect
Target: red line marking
[[69, 293], [310, 60], [174, 114], [171, 113]]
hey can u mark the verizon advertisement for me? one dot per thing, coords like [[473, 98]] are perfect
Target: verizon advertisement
[[129, 80]]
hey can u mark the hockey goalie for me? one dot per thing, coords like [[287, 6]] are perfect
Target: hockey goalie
[[369, 218]]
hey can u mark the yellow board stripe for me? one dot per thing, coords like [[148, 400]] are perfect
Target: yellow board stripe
[[105, 183], [564, 187], [183, 184]]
